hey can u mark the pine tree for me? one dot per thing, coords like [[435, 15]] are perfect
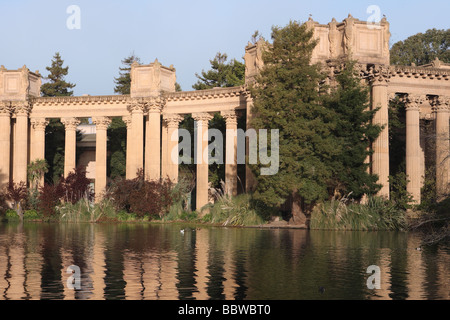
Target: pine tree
[[354, 132], [123, 81], [57, 86], [222, 74], [286, 97]]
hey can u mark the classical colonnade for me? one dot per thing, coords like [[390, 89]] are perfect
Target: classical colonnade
[[153, 112]]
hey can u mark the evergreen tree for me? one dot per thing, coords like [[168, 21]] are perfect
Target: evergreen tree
[[286, 97], [55, 131], [57, 86], [354, 133], [222, 74], [422, 48], [123, 81]]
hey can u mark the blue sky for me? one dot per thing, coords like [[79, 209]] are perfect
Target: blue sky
[[185, 33]]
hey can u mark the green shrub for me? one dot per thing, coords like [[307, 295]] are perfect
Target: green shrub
[[11, 215], [31, 215]]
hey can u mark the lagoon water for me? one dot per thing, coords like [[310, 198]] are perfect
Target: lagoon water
[[152, 262]]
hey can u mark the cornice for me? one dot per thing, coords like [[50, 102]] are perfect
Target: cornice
[[217, 93], [81, 100], [419, 72]]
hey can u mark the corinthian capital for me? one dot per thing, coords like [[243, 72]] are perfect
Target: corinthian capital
[[379, 74], [413, 102], [441, 104], [172, 119], [5, 108], [230, 116], [102, 123], [21, 108], [202, 117], [70, 123], [39, 124], [155, 104], [137, 106]]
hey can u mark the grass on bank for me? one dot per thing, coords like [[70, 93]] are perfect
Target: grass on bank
[[376, 214]]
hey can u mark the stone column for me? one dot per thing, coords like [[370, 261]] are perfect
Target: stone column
[[441, 106], [102, 124], [127, 120], [380, 158], [5, 142], [413, 157], [153, 141], [201, 143], [164, 147], [231, 175], [250, 181], [21, 110], [136, 148], [38, 148], [173, 121], [70, 153]]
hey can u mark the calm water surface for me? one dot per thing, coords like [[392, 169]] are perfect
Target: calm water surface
[[127, 261]]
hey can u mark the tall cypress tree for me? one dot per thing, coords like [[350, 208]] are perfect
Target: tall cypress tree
[[55, 132], [286, 97]]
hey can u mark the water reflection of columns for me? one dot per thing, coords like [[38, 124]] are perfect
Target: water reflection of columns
[[98, 265], [201, 264], [16, 270]]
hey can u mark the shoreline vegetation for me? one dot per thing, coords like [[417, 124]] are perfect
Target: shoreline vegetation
[[373, 214]]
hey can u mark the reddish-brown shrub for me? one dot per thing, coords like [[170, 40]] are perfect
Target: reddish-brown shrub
[[142, 197]]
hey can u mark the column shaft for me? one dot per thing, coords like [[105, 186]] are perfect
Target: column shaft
[[21, 144], [380, 159], [153, 146], [70, 151], [129, 152], [413, 157], [442, 150], [102, 124], [250, 181], [137, 133], [231, 175], [164, 153], [173, 121], [5, 143], [201, 127]]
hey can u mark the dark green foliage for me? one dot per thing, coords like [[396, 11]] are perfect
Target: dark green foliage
[[222, 74], [117, 147], [57, 86], [399, 194], [54, 155], [354, 133], [286, 98], [422, 48], [123, 81]]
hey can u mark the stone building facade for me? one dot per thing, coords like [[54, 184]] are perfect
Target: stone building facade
[[153, 112]]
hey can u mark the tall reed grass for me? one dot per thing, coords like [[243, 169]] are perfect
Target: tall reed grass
[[376, 214]]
